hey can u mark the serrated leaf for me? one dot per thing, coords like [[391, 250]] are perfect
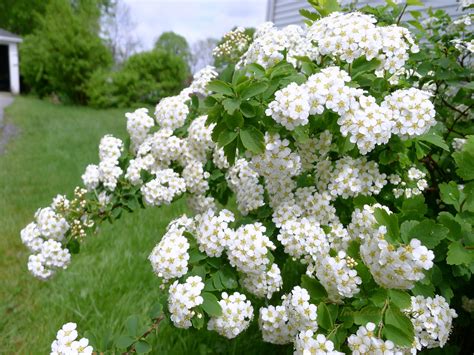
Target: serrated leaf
[[210, 305], [316, 291], [230, 105], [415, 3], [401, 328], [156, 311], [428, 232], [400, 298], [368, 314], [396, 335], [252, 139], [405, 229], [124, 341], [142, 347], [195, 256], [253, 89], [324, 317], [226, 137], [459, 255], [362, 65], [247, 109], [220, 87], [389, 220], [450, 194], [434, 139], [132, 325]]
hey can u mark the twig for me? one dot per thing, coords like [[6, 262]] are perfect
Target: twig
[[402, 13], [154, 325]]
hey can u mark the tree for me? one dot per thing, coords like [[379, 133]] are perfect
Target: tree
[[173, 43], [201, 53], [61, 55], [117, 29], [21, 16]]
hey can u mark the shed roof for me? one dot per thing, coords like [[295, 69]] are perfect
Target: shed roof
[[9, 37]]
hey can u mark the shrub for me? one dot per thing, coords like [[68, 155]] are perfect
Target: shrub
[[61, 55], [333, 205], [144, 79]]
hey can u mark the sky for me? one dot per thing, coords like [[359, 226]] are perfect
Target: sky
[[193, 19]]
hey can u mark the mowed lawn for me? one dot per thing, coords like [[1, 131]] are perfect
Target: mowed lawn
[[111, 278]]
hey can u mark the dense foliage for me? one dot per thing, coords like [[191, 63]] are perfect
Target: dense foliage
[[144, 79], [331, 175], [62, 53]]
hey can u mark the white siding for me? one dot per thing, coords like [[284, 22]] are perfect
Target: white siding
[[286, 12]]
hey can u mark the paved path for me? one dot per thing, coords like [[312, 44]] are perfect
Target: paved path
[[7, 131]]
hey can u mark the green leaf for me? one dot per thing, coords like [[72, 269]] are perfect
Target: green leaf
[[230, 105], [195, 256], [379, 297], [234, 121], [226, 137], [428, 232], [400, 298], [247, 109], [368, 314], [414, 208], [156, 311], [465, 160], [254, 89], [124, 341], [401, 329], [316, 291], [132, 325], [309, 14], [415, 3], [142, 347], [220, 87], [434, 139], [405, 229], [210, 305], [450, 194], [455, 228], [252, 139], [198, 320], [458, 254], [228, 277], [257, 69], [389, 220], [396, 335], [324, 317], [362, 65]]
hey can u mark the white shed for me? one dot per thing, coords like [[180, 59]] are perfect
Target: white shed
[[9, 63]]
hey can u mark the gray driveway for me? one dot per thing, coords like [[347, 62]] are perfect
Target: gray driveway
[[8, 130], [5, 100]]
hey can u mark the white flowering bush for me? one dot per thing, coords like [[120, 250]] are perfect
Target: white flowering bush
[[329, 176]]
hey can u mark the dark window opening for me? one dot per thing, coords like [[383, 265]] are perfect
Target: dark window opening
[[4, 68]]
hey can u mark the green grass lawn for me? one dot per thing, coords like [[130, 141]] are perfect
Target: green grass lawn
[[111, 278]]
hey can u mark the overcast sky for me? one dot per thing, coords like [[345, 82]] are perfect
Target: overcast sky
[[194, 19]]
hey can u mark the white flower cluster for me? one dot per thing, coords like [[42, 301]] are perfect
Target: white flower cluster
[[138, 126], [366, 342], [336, 274], [171, 112], [237, 313], [413, 112], [263, 284], [183, 298], [108, 171], [269, 43], [465, 47], [432, 319], [166, 185], [314, 149], [248, 249], [66, 343], [415, 185], [212, 232], [306, 343], [354, 35], [43, 238], [170, 256], [350, 177], [243, 180], [201, 79], [394, 267], [281, 324], [290, 107], [234, 43]]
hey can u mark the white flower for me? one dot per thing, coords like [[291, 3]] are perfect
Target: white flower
[[182, 300]]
